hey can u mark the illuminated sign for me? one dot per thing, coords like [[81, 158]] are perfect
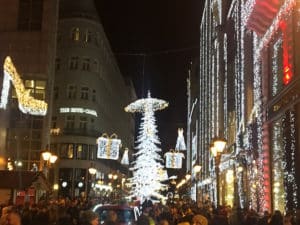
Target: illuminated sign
[[78, 110]]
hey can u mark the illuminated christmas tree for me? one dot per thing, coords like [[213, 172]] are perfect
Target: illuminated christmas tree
[[147, 166]]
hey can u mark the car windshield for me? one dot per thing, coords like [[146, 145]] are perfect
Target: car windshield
[[123, 215]]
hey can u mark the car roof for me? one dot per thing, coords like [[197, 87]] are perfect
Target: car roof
[[111, 207]]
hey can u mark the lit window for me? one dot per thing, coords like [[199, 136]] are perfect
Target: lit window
[[36, 88], [75, 35], [88, 36]]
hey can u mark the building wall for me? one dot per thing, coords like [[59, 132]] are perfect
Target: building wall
[[32, 46], [87, 76]]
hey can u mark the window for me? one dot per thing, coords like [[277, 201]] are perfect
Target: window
[[70, 122], [92, 124], [36, 88], [73, 65], [88, 36], [95, 65], [84, 93], [97, 39], [83, 122], [81, 151], [53, 122], [66, 151], [55, 93], [57, 64], [75, 34], [92, 152], [86, 64], [94, 95], [30, 15], [37, 123], [71, 92]]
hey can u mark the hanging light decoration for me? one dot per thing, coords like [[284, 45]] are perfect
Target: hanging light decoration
[[174, 159], [27, 104], [108, 147]]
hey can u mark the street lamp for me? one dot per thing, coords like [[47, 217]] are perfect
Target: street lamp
[[197, 169], [217, 147], [49, 159]]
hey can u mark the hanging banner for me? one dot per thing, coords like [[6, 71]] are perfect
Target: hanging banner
[[108, 147], [174, 160]]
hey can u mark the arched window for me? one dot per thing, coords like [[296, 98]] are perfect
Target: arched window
[[88, 36], [75, 35]]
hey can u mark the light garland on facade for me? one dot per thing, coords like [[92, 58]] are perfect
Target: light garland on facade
[[289, 146], [275, 70], [27, 104], [277, 159]]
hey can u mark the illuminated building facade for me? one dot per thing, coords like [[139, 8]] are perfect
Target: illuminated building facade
[[89, 97], [28, 36], [249, 94]]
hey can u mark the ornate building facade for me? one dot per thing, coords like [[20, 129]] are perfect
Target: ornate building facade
[[249, 95], [90, 94]]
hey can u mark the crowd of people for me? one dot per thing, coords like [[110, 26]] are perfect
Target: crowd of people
[[77, 212], [189, 213]]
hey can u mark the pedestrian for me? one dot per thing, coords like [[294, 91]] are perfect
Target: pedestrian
[[163, 222], [288, 218], [112, 218], [145, 218], [199, 220], [13, 218], [88, 218], [277, 218]]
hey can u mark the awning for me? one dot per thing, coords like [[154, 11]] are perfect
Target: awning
[[21, 180]]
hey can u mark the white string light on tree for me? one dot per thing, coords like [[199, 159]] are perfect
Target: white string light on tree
[[147, 166]]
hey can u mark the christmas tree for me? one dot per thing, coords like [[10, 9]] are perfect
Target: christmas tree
[[147, 166]]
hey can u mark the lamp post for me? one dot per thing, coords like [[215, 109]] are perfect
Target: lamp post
[[48, 160], [217, 147], [197, 169]]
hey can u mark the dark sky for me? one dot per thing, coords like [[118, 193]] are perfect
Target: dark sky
[[154, 42]]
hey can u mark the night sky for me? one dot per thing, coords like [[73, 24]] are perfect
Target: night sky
[[154, 41]]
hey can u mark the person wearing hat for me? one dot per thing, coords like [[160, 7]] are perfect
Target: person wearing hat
[[88, 218]]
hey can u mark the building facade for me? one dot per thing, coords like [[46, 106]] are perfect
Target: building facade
[[248, 95], [28, 36], [89, 97]]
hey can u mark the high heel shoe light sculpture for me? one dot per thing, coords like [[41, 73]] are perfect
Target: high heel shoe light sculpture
[[27, 103]]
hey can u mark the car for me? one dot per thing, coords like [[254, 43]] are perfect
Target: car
[[126, 215]]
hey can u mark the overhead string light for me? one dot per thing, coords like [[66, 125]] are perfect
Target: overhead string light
[[27, 103]]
